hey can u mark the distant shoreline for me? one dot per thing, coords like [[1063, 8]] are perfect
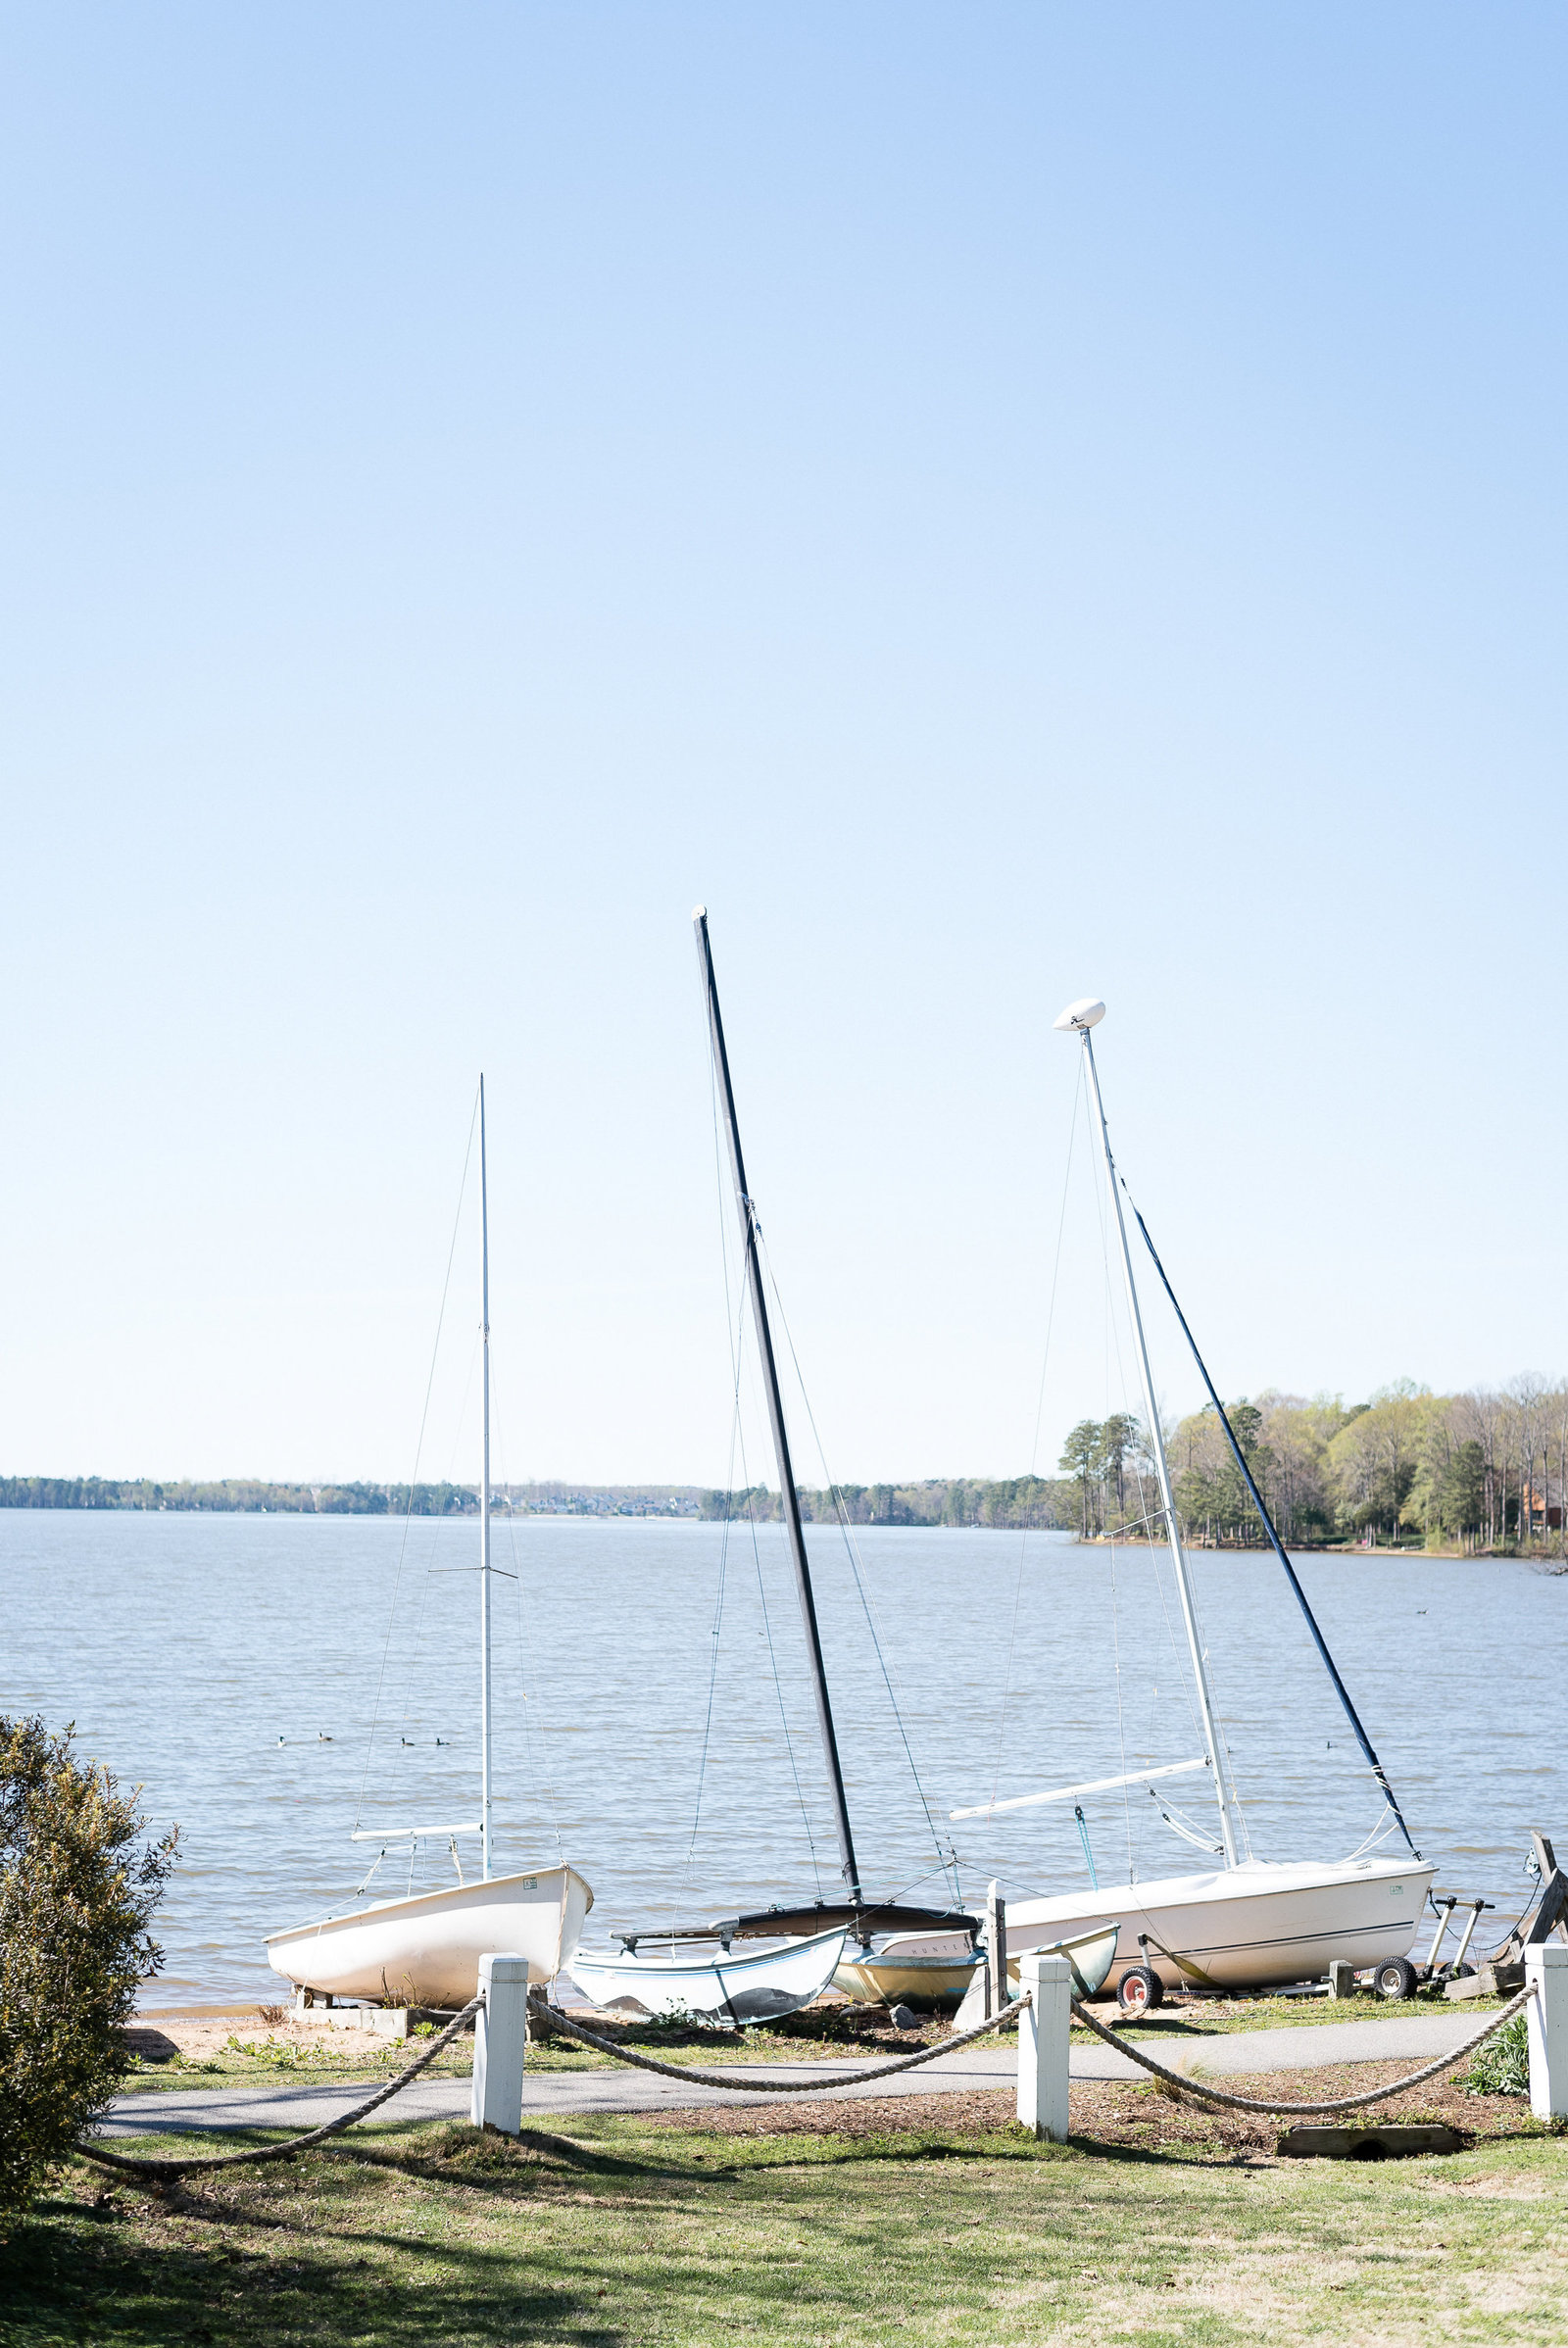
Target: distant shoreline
[[959, 1505], [1021, 1504]]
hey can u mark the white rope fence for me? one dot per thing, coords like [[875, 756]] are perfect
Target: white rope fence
[[294, 2144], [1341, 2103], [702, 2076]]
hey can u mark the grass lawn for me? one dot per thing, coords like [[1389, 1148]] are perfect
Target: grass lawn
[[868, 2225]]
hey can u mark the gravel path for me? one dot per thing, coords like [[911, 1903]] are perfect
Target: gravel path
[[552, 2096]]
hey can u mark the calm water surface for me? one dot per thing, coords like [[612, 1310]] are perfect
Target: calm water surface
[[270, 1679]]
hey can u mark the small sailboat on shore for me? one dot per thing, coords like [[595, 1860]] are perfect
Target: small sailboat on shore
[[804, 1940], [1248, 1923], [424, 1949]]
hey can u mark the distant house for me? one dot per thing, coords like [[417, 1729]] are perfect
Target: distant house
[[1541, 1506]]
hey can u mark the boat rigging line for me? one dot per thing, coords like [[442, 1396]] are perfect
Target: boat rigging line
[[1081, 1018], [861, 1915], [418, 1453], [853, 1552], [789, 1499], [1034, 1448], [735, 1328], [1275, 1542]]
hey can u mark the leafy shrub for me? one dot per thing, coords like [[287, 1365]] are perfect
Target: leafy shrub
[[78, 1891], [1502, 2063]]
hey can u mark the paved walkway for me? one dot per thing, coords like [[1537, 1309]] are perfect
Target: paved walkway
[[554, 2096]]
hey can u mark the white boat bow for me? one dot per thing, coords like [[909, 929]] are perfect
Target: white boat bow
[[426, 1950]]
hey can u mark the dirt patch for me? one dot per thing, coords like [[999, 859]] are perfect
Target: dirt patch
[[1133, 2117], [159, 2040]]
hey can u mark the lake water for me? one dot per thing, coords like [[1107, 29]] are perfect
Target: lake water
[[232, 1664]]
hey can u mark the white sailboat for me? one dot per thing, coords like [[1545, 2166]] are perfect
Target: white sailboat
[[806, 1939], [724, 1988], [1250, 1923], [424, 1949]]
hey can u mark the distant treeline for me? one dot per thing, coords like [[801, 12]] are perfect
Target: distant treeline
[[238, 1494], [1486, 1468], [1027, 1501], [1024, 1501]]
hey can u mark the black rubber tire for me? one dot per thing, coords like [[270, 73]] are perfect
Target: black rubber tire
[[1139, 1991], [1394, 1979]]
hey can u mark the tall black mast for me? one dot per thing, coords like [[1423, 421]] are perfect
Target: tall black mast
[[775, 1412]]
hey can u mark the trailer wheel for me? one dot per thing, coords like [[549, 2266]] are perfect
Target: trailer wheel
[[1395, 1979], [1141, 1990]]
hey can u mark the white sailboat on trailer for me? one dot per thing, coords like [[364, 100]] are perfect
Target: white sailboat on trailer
[[424, 1949], [1249, 1923]]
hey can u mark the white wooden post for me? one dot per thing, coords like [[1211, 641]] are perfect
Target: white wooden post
[[501, 2043], [1546, 1965], [1042, 2041], [997, 1991]]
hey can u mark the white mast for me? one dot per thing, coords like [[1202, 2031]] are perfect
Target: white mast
[[1077, 1019], [484, 1505]]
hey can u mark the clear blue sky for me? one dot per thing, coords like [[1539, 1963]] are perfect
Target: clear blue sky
[[1002, 503]]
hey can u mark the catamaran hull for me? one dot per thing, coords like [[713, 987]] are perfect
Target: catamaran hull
[[1251, 1926], [756, 1987], [1091, 1953], [925, 1985], [425, 1951]]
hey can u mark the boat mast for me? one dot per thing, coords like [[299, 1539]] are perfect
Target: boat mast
[[1080, 1019], [775, 1411], [484, 1505]]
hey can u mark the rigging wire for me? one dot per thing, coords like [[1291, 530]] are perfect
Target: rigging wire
[[431, 1570], [1078, 1097], [778, 1684], [735, 1321], [734, 1335], [535, 1777], [852, 1550], [718, 1607], [419, 1452], [1121, 1725], [1222, 1756]]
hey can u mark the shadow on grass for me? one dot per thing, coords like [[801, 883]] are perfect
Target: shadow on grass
[[65, 2279]]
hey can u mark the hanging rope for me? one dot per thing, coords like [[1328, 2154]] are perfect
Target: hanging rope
[[696, 2075], [294, 2144], [1341, 2103]]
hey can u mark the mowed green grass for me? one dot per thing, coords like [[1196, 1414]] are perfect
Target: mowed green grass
[[631, 2233]]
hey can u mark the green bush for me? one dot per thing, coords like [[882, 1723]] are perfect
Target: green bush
[[78, 1890], [1502, 2063]]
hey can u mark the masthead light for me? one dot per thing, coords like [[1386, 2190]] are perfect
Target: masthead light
[[1080, 1015]]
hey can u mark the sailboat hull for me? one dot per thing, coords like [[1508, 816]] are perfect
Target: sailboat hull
[[426, 1950], [759, 1986], [1253, 1926]]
